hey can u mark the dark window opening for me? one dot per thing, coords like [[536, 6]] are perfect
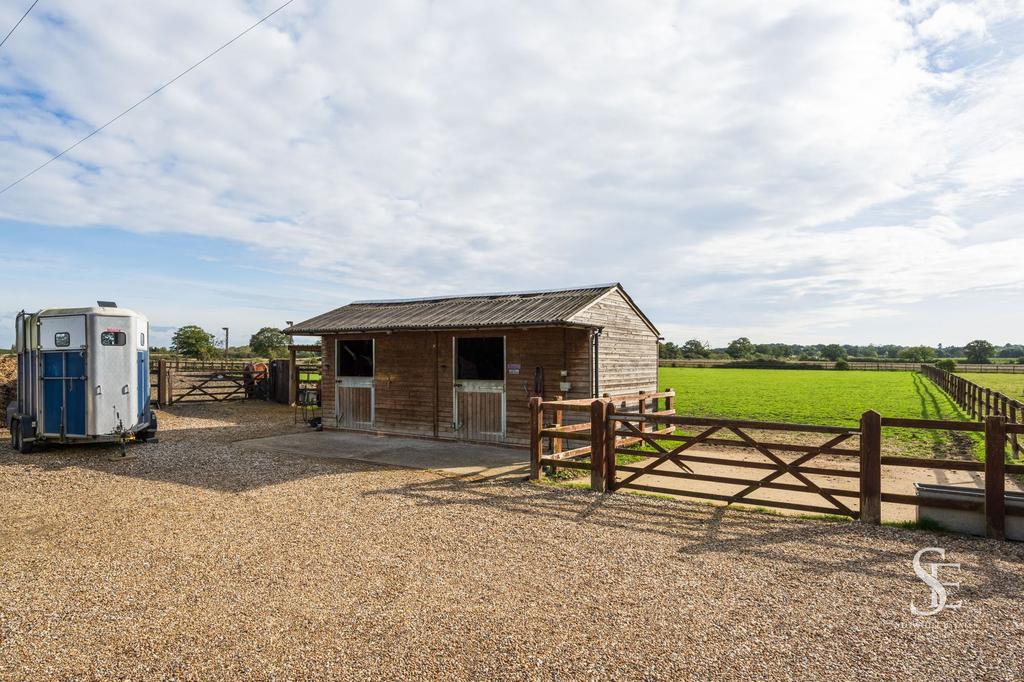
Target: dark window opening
[[355, 358], [113, 339], [62, 339], [481, 358]]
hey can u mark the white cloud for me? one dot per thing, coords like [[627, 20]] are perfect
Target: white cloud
[[953, 21], [791, 150]]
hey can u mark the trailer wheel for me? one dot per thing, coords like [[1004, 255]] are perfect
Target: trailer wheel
[[17, 440]]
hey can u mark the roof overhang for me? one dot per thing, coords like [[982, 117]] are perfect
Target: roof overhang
[[296, 331]]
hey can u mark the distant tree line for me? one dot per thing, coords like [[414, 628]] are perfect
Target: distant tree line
[[975, 352], [192, 341]]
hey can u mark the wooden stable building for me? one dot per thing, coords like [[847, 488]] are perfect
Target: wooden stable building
[[465, 367]]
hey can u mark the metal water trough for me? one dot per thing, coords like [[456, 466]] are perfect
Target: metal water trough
[[968, 522]]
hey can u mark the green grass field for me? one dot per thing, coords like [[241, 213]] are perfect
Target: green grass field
[[1010, 385], [823, 397]]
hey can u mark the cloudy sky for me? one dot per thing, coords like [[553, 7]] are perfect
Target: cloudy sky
[[798, 171]]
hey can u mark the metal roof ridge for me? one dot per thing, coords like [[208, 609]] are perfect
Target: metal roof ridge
[[498, 294]]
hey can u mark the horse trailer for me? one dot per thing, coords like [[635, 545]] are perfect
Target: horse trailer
[[83, 376]]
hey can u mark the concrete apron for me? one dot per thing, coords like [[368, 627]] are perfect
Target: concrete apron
[[447, 457]]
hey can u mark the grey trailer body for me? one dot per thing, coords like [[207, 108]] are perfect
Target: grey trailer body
[[83, 376]]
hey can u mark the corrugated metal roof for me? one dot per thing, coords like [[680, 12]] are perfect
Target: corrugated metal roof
[[456, 312]]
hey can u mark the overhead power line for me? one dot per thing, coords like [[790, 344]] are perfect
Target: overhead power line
[[19, 23], [53, 158]]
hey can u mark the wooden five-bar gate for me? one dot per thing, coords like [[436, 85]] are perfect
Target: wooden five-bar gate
[[178, 380], [668, 452], [202, 382]]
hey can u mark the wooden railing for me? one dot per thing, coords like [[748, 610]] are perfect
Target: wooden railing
[[659, 454], [177, 380], [663, 441], [557, 432], [978, 401], [216, 385]]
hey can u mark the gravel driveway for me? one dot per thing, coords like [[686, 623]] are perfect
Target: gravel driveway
[[202, 560]]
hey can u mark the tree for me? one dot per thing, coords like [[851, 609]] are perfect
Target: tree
[[979, 351], [833, 352], [918, 354], [947, 364], [1009, 351], [740, 348], [269, 342], [772, 350], [695, 348], [192, 341]]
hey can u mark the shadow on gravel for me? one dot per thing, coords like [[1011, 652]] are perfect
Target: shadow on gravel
[[840, 547], [202, 457]]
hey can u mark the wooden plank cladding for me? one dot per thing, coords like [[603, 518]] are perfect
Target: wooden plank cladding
[[480, 415], [572, 344], [415, 375], [627, 350]]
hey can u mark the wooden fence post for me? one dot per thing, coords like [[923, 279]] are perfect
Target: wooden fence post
[[642, 406], [597, 422], [161, 369], [995, 482], [871, 467], [611, 426], [670, 401], [1014, 444], [536, 446], [293, 378], [166, 384], [556, 443]]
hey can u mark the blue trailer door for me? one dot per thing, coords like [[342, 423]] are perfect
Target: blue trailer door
[[53, 393], [74, 393], [64, 393]]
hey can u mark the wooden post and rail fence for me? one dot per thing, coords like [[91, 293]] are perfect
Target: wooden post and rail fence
[[978, 401], [175, 381], [660, 437], [862, 365]]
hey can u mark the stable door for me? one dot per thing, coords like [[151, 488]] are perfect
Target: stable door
[[354, 392], [480, 388]]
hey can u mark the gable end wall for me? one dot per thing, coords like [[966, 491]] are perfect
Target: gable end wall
[[628, 349]]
